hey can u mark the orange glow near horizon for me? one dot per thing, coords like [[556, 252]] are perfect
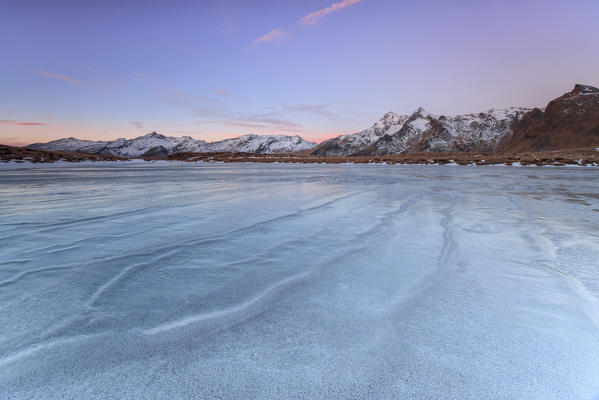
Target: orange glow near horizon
[[22, 133]]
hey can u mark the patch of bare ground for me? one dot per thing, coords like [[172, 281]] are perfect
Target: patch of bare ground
[[22, 155], [581, 156]]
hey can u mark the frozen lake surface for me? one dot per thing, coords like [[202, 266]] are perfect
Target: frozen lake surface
[[256, 281]]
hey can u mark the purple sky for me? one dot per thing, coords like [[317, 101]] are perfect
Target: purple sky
[[318, 68]]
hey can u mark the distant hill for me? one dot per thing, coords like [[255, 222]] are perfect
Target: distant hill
[[156, 145]]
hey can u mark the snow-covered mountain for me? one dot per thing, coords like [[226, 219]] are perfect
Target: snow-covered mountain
[[72, 145], [392, 134], [423, 131], [154, 144], [349, 144], [262, 144]]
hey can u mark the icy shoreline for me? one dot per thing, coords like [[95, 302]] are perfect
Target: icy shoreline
[[11, 165]]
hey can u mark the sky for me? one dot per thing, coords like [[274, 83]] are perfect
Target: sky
[[315, 68]]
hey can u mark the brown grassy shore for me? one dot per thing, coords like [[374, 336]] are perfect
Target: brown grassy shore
[[22, 155], [581, 156]]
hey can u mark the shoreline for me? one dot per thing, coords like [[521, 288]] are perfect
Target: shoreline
[[580, 157], [16, 165]]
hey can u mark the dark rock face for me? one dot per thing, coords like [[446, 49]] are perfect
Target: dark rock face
[[156, 152], [570, 121]]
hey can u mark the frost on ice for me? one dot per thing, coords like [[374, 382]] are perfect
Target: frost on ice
[[287, 281]]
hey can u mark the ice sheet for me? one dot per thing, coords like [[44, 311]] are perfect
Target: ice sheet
[[299, 281]]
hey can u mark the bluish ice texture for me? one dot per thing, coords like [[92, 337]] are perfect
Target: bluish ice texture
[[249, 281]]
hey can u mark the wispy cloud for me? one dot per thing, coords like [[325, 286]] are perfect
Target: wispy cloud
[[264, 122], [278, 120], [137, 124], [273, 36], [22, 123], [316, 16], [318, 109], [178, 98], [225, 93], [267, 123], [62, 77]]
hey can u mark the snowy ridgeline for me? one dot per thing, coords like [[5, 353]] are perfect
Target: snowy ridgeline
[[393, 134], [155, 144], [423, 131], [331, 282]]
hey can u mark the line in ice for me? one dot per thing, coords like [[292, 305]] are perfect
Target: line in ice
[[173, 249], [121, 275], [40, 347], [31, 272], [75, 243], [228, 311]]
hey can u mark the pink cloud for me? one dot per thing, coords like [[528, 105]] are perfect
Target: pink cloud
[[315, 16], [61, 77], [221, 92], [273, 36], [13, 122]]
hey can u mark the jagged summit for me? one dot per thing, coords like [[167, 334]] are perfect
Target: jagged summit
[[424, 131], [421, 112], [390, 116], [153, 135], [578, 88]]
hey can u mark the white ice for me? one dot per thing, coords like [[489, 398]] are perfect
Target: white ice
[[256, 281]]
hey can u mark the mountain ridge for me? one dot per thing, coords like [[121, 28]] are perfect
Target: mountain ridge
[[569, 121], [423, 131], [157, 145]]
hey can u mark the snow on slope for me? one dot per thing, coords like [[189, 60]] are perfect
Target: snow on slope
[[349, 144], [71, 144], [261, 144], [427, 132], [392, 134], [151, 141], [423, 131], [156, 144]]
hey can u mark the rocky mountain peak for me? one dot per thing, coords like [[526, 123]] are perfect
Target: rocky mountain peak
[[578, 88], [154, 135], [421, 113], [390, 116]]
